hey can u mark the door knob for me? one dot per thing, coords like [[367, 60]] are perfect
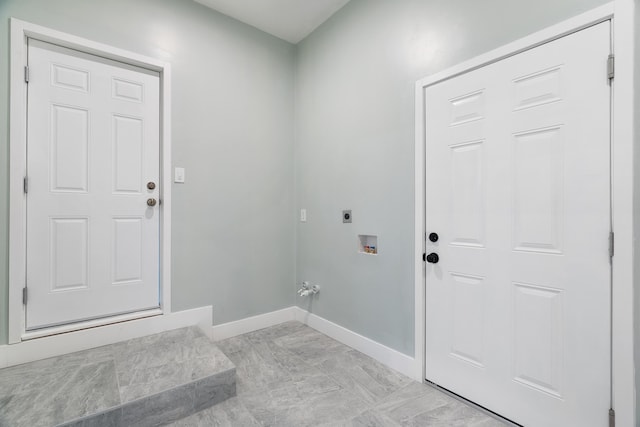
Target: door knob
[[151, 202], [151, 185], [433, 258], [433, 237]]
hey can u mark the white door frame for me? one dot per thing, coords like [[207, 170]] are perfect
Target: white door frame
[[20, 31], [621, 12]]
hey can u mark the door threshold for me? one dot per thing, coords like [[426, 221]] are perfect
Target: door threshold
[[88, 324], [482, 409]]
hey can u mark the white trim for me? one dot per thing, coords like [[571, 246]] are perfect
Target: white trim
[[17, 172], [383, 354], [420, 236], [622, 209], [531, 41], [250, 324], [387, 356], [42, 348], [622, 185], [63, 329], [27, 29], [20, 30], [165, 196]]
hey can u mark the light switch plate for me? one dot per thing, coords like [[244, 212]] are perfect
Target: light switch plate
[[303, 215], [179, 176]]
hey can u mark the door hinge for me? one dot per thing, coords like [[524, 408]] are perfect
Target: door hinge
[[611, 244], [611, 67], [26, 74], [25, 185], [24, 295], [612, 418]]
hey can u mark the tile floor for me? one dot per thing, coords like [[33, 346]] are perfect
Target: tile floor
[[139, 382], [292, 375]]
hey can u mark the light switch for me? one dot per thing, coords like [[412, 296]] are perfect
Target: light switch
[[303, 215], [179, 175]]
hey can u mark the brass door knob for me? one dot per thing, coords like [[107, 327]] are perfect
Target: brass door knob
[[151, 185], [151, 202]]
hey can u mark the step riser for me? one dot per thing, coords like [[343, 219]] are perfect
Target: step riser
[[166, 407]]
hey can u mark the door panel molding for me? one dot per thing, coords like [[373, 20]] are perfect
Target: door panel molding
[[21, 31], [622, 14]]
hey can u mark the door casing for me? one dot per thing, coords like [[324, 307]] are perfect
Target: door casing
[[20, 31], [622, 15]]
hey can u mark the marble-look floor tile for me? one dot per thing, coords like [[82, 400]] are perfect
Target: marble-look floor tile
[[110, 418], [33, 375], [234, 346], [151, 380], [310, 402], [287, 372], [411, 401], [158, 348], [286, 375], [230, 413], [455, 414], [160, 409], [489, 421], [296, 367], [277, 331], [255, 372], [92, 389], [134, 356], [214, 389], [179, 360], [370, 418], [312, 346], [369, 379], [88, 389], [73, 387]]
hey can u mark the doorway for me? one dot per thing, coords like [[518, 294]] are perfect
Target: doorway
[[518, 283], [90, 187]]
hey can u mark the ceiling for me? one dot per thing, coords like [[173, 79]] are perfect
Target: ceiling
[[290, 20]]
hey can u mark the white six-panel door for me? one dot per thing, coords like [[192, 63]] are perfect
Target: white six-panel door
[[92, 149], [518, 190]]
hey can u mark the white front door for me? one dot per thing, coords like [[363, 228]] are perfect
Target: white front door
[[92, 164], [518, 191]]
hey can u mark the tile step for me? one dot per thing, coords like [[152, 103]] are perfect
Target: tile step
[[146, 381]]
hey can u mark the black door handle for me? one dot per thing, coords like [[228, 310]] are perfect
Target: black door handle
[[433, 237], [433, 258]]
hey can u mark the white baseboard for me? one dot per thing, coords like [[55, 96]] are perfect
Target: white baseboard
[[56, 345], [41, 348], [387, 356], [250, 324], [400, 362]]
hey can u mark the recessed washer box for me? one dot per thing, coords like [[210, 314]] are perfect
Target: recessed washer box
[[368, 244]]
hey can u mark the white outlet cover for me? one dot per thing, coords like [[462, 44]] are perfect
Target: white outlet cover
[[179, 175]]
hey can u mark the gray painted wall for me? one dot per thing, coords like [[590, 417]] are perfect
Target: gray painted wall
[[355, 79], [233, 107], [233, 224]]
